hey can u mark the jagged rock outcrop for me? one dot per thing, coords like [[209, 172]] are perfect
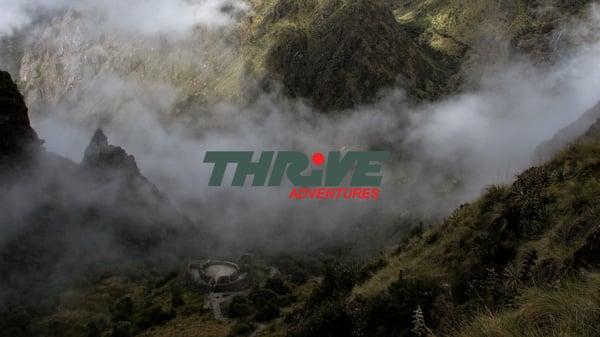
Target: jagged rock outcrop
[[65, 219], [17, 138], [101, 155], [127, 190]]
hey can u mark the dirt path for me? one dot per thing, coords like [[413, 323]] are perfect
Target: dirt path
[[214, 302], [259, 327]]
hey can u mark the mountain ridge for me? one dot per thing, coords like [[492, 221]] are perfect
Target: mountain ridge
[[50, 201]]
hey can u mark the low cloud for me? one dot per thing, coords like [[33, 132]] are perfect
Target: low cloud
[[135, 16], [445, 151]]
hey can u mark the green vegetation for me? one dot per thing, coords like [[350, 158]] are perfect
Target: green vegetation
[[242, 329], [520, 261], [340, 53], [113, 307], [334, 53], [348, 52], [569, 310]]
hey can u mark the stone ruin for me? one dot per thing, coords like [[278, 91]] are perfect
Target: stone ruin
[[213, 276]]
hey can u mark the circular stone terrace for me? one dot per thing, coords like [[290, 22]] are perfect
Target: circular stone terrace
[[217, 276], [220, 271]]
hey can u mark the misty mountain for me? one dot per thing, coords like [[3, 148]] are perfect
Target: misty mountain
[[451, 88], [487, 219], [317, 50], [62, 221], [520, 260]]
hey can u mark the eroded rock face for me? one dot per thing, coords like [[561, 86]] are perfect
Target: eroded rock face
[[17, 138]]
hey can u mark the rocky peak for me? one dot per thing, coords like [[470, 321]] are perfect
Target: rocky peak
[[17, 138], [99, 139], [102, 155]]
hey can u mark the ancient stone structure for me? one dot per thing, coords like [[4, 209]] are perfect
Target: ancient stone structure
[[217, 276]]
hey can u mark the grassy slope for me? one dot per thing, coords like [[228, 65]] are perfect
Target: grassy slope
[[572, 309], [442, 43], [81, 307], [92, 308], [449, 26], [482, 35], [552, 209], [567, 190]]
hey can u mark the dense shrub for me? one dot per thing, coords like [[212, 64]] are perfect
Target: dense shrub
[[261, 296], [267, 312], [392, 314], [241, 329], [277, 285], [286, 300], [155, 315], [122, 329], [96, 328], [240, 306], [370, 268], [298, 277], [176, 296], [338, 280], [121, 310], [329, 319]]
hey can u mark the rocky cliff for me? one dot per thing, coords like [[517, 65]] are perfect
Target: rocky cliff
[[17, 138]]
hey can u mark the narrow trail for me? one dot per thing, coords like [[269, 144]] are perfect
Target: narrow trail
[[214, 303], [259, 327]]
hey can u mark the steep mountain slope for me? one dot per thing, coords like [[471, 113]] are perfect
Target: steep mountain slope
[[520, 261], [511, 252], [484, 35], [347, 53], [64, 222], [335, 53], [212, 66], [71, 50]]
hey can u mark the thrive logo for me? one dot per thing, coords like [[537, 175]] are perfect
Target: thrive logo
[[361, 170]]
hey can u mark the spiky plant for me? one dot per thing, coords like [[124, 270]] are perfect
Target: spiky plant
[[527, 265], [419, 326], [493, 284]]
